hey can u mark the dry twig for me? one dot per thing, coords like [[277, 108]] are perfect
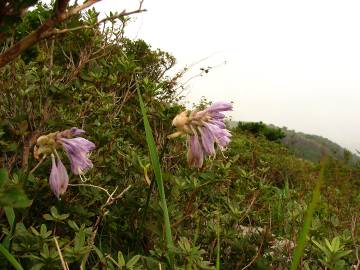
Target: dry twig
[[111, 199], [63, 263], [46, 29]]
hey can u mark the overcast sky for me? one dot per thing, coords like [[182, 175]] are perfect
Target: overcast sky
[[289, 63]]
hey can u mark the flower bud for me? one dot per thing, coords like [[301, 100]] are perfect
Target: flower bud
[[180, 120]]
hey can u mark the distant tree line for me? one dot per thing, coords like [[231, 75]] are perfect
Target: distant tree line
[[261, 129]]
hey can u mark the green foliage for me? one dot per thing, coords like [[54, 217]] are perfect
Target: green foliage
[[121, 264], [11, 192], [11, 12], [332, 253], [302, 239], [191, 256], [10, 258], [259, 128]]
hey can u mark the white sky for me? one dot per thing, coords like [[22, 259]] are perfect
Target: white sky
[[289, 63]]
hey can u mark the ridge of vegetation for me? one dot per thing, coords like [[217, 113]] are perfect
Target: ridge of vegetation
[[306, 146]]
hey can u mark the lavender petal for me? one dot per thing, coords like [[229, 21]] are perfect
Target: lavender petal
[[207, 139], [219, 106], [54, 180], [64, 178], [74, 131], [78, 150], [195, 152]]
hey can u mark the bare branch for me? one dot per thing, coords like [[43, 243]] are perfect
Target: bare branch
[[111, 199], [60, 7], [60, 14], [110, 18]]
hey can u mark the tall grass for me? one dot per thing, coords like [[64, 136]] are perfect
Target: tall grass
[[154, 158], [11, 259], [302, 239]]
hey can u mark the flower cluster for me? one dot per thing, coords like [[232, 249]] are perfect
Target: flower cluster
[[204, 130], [77, 150]]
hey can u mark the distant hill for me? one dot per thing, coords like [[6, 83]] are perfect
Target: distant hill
[[306, 146], [312, 147]]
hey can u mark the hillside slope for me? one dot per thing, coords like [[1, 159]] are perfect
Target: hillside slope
[[312, 147], [305, 146]]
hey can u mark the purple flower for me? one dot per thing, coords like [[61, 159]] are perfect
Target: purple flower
[[74, 131], [218, 107], [70, 133], [195, 155], [59, 178], [77, 150], [205, 129]]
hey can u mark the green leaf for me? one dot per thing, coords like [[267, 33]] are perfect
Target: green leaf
[[10, 215], [3, 176], [121, 260], [79, 240], [100, 255], [48, 217], [55, 215], [73, 225], [131, 263], [44, 232], [14, 197], [115, 262], [157, 171], [329, 246], [336, 243], [34, 231], [302, 239], [43, 229], [63, 216], [322, 248], [341, 254], [37, 266], [54, 212], [11, 259], [45, 252]]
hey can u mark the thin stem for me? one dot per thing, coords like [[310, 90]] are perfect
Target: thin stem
[[148, 195], [103, 211], [218, 246], [39, 163], [90, 185], [63, 263]]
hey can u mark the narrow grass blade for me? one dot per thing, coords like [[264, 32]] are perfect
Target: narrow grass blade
[[157, 170], [10, 215], [302, 239], [10, 258]]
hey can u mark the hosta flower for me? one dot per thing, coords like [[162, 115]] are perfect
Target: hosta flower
[[195, 155], [205, 129], [77, 149], [59, 178]]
